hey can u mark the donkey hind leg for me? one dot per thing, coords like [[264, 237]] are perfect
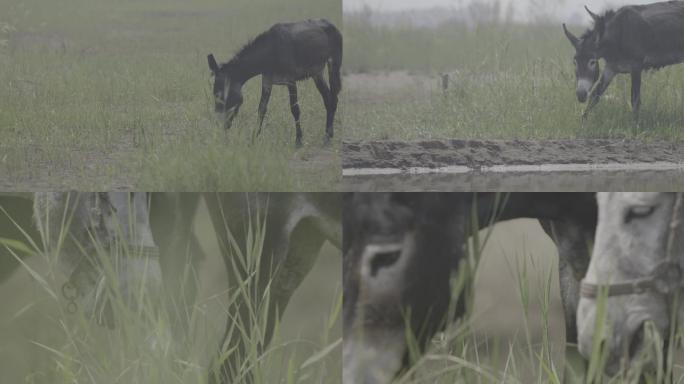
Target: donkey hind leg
[[294, 108], [606, 77], [304, 245], [330, 102], [171, 218], [573, 260], [266, 86], [16, 215], [636, 93]]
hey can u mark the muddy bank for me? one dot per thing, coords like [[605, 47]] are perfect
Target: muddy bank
[[481, 154], [516, 165]]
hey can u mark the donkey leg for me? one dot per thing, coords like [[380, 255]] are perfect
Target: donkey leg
[[231, 367], [305, 243], [20, 211], [636, 93], [330, 102], [294, 108], [266, 86], [573, 259], [606, 77], [286, 258], [171, 218]]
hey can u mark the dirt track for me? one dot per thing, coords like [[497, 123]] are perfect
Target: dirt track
[[568, 165]]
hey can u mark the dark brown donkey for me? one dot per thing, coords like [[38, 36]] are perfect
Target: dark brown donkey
[[630, 40], [400, 251], [284, 54]]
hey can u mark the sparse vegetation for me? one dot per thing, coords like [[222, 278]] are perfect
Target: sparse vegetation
[[101, 95], [507, 81]]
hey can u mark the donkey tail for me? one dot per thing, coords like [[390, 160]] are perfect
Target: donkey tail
[[335, 64]]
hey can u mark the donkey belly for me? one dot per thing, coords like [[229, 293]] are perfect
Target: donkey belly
[[297, 73], [662, 60]]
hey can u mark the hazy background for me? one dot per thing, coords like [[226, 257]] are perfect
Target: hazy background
[[424, 11]]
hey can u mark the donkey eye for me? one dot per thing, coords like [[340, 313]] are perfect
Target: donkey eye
[[639, 212], [592, 63], [384, 259]]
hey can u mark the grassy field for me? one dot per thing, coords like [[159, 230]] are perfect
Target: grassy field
[[508, 81], [102, 95], [41, 343]]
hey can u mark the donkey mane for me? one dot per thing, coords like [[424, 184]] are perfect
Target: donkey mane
[[245, 49], [599, 26]]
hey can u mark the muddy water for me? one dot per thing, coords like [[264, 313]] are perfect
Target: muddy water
[[530, 165], [638, 180]]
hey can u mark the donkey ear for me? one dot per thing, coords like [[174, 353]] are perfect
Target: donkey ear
[[592, 14], [212, 63], [573, 39]]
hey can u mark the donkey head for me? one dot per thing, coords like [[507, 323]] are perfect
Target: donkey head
[[102, 241], [400, 252], [227, 92], [586, 57]]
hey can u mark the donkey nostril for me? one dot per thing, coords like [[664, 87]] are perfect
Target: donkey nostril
[[581, 96], [382, 260]]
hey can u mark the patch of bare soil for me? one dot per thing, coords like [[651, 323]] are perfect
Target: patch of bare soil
[[52, 41], [315, 165], [480, 156], [368, 87], [32, 168], [392, 80], [476, 154]]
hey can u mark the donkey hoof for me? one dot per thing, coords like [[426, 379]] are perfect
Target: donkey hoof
[[327, 140], [298, 142]]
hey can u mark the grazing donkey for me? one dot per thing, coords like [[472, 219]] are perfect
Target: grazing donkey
[[630, 40], [399, 252], [284, 54], [638, 260], [401, 249]]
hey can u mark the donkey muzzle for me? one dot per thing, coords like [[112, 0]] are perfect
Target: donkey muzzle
[[583, 88]]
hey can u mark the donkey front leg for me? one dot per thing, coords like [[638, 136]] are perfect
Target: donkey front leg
[[603, 83], [572, 242], [294, 107], [330, 102], [266, 86], [636, 92]]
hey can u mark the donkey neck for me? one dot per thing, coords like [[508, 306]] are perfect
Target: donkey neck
[[253, 60]]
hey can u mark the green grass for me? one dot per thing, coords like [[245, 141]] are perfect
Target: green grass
[[508, 82], [40, 342], [102, 95], [463, 353]]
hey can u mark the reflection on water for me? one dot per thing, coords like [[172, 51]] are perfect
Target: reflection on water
[[623, 180]]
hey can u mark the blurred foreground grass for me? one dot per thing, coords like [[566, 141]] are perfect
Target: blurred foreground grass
[[41, 343]]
